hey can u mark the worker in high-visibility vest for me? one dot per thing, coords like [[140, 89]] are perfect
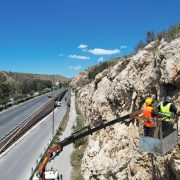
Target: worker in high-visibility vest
[[168, 109], [151, 115]]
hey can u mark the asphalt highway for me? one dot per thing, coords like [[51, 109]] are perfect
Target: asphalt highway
[[16, 163], [14, 116]]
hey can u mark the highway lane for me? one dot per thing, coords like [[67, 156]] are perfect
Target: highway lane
[[17, 161], [12, 117]]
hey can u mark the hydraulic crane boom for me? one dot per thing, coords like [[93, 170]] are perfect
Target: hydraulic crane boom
[[90, 129]]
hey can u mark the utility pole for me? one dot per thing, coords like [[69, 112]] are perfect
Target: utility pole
[[58, 90], [53, 110]]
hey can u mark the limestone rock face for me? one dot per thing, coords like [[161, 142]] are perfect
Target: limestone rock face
[[175, 161], [170, 65], [80, 80], [113, 153]]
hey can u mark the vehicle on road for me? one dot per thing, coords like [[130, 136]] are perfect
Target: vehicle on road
[[49, 175], [10, 102], [52, 175], [57, 103], [35, 93]]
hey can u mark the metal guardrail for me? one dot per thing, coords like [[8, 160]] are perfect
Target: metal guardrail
[[22, 128]]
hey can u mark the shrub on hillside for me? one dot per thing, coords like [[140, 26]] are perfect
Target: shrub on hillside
[[79, 148], [99, 68], [172, 33], [150, 36]]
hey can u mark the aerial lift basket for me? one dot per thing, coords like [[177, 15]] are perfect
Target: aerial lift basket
[[160, 139]]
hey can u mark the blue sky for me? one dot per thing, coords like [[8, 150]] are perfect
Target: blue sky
[[66, 36]]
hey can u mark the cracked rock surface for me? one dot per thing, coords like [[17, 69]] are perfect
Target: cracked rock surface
[[113, 153]]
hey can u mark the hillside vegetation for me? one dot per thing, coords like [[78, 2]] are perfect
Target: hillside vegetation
[[168, 35], [100, 67], [88, 75], [18, 85]]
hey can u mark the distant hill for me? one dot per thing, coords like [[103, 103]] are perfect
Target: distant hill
[[23, 76], [15, 85]]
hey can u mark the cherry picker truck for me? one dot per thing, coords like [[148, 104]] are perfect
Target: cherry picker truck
[[156, 142]]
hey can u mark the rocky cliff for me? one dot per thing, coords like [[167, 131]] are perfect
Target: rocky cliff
[[113, 153]]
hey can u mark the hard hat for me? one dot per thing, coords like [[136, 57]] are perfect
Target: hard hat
[[168, 99], [149, 101]]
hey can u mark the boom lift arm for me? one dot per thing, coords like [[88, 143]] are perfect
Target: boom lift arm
[[87, 130]]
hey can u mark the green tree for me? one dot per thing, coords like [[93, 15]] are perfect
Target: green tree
[[27, 86], [150, 37], [99, 68], [6, 90]]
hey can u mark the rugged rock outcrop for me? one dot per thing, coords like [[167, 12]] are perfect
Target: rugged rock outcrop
[[113, 153], [80, 80]]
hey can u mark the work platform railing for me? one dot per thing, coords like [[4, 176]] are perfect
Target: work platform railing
[[159, 139]]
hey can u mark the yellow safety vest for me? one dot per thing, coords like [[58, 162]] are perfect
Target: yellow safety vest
[[165, 110]]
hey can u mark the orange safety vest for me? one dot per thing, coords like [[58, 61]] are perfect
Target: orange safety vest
[[151, 120]]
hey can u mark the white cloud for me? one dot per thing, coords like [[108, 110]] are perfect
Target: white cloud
[[75, 67], [61, 54], [82, 46], [123, 47], [104, 51], [100, 59], [78, 57]]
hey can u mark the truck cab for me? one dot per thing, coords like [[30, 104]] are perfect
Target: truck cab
[[51, 175]]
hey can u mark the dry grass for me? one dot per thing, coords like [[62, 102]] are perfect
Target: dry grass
[[79, 148], [64, 122], [76, 160]]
